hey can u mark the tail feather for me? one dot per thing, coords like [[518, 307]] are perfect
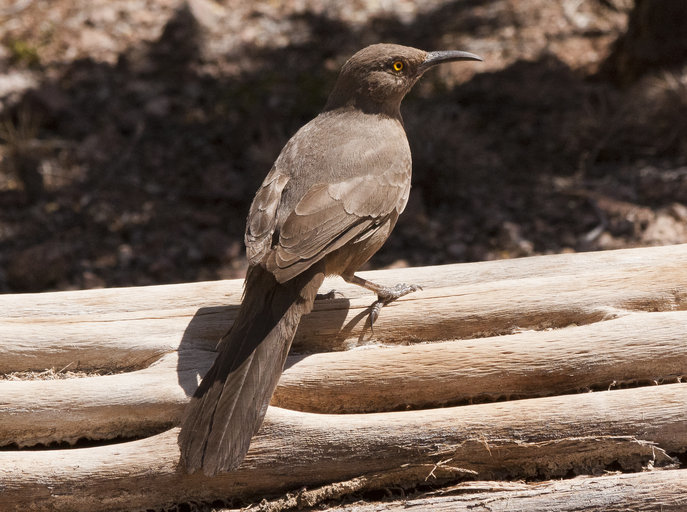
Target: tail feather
[[231, 401]]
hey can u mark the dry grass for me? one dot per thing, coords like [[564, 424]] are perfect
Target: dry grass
[[51, 374]]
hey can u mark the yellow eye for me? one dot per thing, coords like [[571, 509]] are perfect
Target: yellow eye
[[397, 65]]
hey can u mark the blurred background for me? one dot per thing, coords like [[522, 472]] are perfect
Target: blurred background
[[133, 133]]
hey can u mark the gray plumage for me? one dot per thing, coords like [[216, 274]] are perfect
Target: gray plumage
[[327, 205]]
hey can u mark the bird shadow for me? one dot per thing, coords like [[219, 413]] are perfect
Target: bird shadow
[[198, 346]]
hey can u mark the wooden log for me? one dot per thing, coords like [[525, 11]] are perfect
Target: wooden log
[[121, 329], [543, 437], [630, 492], [131, 404], [112, 342], [160, 334], [636, 349]]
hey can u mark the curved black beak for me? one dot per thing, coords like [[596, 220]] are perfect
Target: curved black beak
[[434, 58]]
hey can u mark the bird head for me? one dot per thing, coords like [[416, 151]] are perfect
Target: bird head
[[378, 77]]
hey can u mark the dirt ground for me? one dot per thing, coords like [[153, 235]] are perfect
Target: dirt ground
[[134, 133]]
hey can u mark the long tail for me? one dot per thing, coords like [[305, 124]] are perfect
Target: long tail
[[231, 401]]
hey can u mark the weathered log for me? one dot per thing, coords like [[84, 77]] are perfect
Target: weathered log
[[128, 328], [631, 492], [634, 349], [131, 404], [626, 324], [543, 437]]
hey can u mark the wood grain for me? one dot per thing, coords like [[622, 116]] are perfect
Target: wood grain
[[520, 439], [641, 348], [529, 337], [630, 492], [128, 328]]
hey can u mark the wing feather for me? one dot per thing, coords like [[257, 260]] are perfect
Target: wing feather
[[332, 214], [262, 219]]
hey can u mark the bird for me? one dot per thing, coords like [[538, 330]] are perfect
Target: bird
[[329, 202]]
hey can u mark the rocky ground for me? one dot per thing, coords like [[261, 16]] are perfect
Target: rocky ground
[[134, 133]]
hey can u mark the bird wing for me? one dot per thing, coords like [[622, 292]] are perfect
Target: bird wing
[[262, 218], [330, 215]]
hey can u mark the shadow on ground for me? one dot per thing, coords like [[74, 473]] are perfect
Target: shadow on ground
[[141, 172]]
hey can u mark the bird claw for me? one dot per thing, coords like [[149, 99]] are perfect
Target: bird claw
[[374, 314], [392, 293], [387, 295]]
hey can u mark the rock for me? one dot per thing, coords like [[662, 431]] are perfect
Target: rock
[[665, 229]]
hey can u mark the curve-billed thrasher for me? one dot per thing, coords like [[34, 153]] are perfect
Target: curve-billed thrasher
[[328, 204]]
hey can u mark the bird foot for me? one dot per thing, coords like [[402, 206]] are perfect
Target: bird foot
[[389, 294]]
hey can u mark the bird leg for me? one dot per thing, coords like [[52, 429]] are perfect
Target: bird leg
[[385, 294]]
